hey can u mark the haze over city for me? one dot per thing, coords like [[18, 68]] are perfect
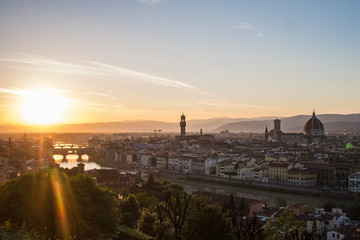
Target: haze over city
[[104, 61]]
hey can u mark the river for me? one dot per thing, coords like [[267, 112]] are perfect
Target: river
[[72, 160], [268, 197]]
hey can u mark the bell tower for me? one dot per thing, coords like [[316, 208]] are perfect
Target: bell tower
[[183, 125], [266, 134], [277, 130]]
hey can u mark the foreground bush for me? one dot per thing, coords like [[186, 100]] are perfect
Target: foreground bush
[[55, 205]]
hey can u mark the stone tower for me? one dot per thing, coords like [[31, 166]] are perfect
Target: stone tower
[[277, 130], [183, 125]]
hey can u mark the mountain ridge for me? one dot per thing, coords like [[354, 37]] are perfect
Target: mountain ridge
[[332, 122]]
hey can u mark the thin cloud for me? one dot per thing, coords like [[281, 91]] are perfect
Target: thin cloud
[[97, 94], [259, 34], [15, 91], [247, 27], [89, 68], [56, 90], [19, 92], [242, 26], [227, 104], [119, 71], [150, 2]]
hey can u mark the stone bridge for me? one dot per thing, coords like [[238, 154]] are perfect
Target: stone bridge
[[73, 149]]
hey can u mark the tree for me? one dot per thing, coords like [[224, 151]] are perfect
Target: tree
[[281, 202], [58, 206], [209, 223], [329, 205], [242, 208], [155, 223], [231, 204], [139, 182], [352, 210], [129, 211], [150, 183], [146, 200], [153, 161], [246, 227], [176, 207], [11, 232], [146, 223], [285, 227]]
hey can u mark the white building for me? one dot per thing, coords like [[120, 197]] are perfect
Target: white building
[[173, 164], [354, 182], [162, 162], [187, 165], [144, 159], [334, 235], [223, 169]]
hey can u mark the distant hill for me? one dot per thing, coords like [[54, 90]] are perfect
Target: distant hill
[[127, 126], [335, 127], [332, 122]]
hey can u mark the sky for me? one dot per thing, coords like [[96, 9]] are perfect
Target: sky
[[103, 61]]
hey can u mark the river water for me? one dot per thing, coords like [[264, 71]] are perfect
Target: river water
[[268, 197], [72, 160]]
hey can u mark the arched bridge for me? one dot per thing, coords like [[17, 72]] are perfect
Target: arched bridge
[[66, 149]]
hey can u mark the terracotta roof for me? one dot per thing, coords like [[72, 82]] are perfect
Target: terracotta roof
[[298, 170], [350, 232], [279, 164]]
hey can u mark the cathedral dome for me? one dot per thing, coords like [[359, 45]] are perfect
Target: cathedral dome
[[314, 127]]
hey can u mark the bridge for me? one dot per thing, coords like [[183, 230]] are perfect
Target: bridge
[[66, 149]]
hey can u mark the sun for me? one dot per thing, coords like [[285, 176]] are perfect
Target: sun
[[42, 107]]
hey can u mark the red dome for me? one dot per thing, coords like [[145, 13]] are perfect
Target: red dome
[[314, 127]]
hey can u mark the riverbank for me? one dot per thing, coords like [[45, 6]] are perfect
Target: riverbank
[[314, 192], [253, 186], [234, 183]]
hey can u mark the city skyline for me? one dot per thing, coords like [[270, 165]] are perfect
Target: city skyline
[[151, 59]]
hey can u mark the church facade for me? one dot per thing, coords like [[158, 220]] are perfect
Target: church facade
[[314, 132]]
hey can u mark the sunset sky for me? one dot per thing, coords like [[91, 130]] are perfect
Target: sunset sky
[[102, 61]]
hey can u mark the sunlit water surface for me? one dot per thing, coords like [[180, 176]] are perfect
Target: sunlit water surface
[[72, 160]]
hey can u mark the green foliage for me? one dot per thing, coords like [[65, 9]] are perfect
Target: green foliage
[[155, 222], [146, 223], [231, 204], [131, 234], [329, 205], [176, 208], [150, 184], [153, 161], [129, 211], [173, 188], [247, 227], [58, 206], [146, 200], [352, 210], [242, 208], [284, 227], [281, 202], [139, 182], [12, 232], [209, 223]]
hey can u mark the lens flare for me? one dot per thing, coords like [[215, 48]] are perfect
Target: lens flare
[[60, 204]]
